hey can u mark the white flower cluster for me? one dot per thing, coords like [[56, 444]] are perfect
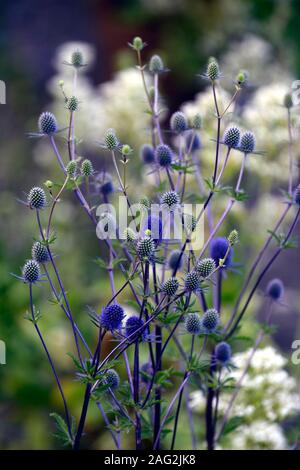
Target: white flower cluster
[[119, 104], [267, 396]]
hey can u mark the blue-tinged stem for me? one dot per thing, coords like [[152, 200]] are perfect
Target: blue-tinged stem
[[50, 362]]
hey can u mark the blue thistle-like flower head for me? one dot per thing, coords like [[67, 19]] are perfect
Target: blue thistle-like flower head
[[147, 154], [87, 169], [170, 286], [192, 281], [170, 200], [223, 353], [247, 143], [112, 379], [175, 260], [205, 267], [178, 122], [164, 155], [111, 317], [77, 59], [71, 168], [210, 320], [47, 124], [275, 289], [132, 325], [156, 65], [193, 324], [39, 252], [196, 121], [297, 195], [213, 71], [192, 142], [145, 248], [110, 140], [218, 250], [232, 137], [36, 198], [73, 103], [104, 183], [31, 271]]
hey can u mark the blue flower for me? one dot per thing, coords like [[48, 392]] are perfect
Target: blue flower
[[218, 250], [111, 317], [132, 325], [223, 352]]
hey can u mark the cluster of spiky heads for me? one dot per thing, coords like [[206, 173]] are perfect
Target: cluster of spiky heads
[[31, 271], [163, 155], [205, 267], [170, 200], [135, 324]]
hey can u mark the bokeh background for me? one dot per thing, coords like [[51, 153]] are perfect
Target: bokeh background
[[262, 36]]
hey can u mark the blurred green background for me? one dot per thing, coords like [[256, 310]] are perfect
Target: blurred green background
[[185, 33]]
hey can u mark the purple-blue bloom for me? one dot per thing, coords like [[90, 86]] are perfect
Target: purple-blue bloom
[[111, 317], [218, 250]]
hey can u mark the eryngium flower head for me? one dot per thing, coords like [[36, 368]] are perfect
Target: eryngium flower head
[[145, 248], [223, 352], [147, 154], [47, 123], [170, 286], [213, 71], [39, 252], [170, 200], [132, 325], [192, 142], [156, 64], [104, 184], [36, 198], [129, 235], [275, 289], [73, 103], [232, 137], [112, 379], [71, 168], [196, 121], [110, 140], [77, 59], [297, 195], [31, 271], [242, 78], [87, 168], [192, 281], [210, 320], [218, 250], [193, 323], [205, 267], [247, 144], [189, 222], [175, 260], [111, 317], [233, 237], [178, 122], [164, 155]]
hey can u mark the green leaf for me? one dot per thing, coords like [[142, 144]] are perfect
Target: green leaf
[[62, 432], [232, 424]]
